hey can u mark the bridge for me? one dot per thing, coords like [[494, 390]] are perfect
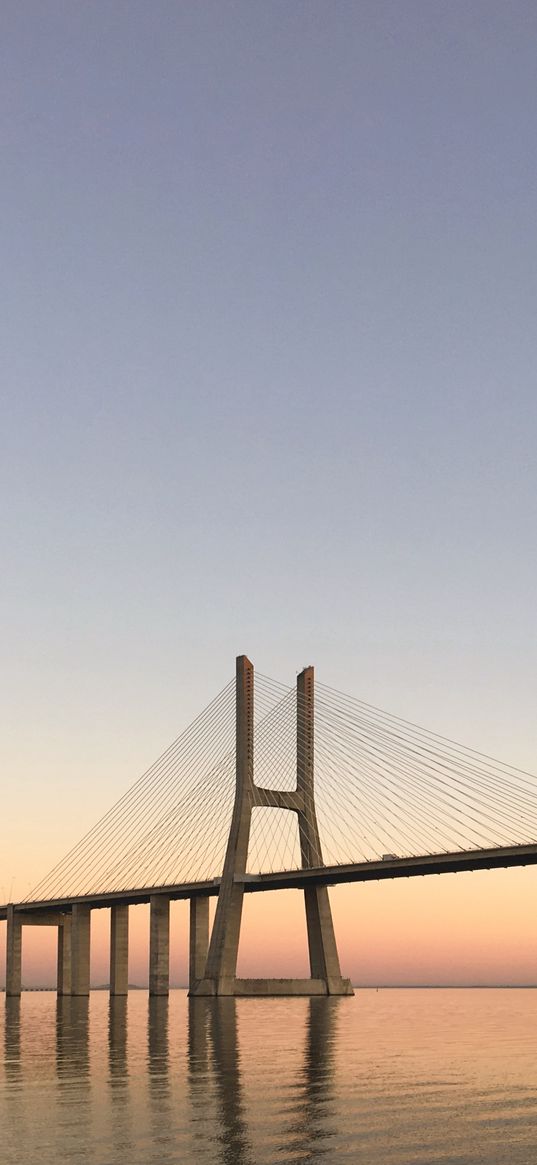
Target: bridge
[[273, 788]]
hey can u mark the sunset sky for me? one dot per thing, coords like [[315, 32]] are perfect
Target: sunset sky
[[269, 350]]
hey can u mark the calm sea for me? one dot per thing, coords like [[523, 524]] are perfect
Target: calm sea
[[391, 1077]]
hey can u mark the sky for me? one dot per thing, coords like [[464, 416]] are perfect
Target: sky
[[268, 352]]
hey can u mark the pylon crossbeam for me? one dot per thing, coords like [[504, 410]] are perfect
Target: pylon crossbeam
[[278, 799]]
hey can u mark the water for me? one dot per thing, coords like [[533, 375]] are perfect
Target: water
[[394, 1077]]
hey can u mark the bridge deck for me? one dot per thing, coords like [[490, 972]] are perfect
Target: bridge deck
[[419, 866]]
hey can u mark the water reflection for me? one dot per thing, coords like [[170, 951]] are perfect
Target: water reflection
[[198, 1038], [213, 1043], [311, 1131], [12, 1041], [157, 1041], [73, 1067], [215, 1120], [119, 1083], [393, 1077], [72, 1041], [161, 1114], [117, 1041], [204, 1127], [15, 1112], [215, 1020]]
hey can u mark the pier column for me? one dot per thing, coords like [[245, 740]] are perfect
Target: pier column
[[221, 969], [80, 950], [64, 956], [323, 954], [13, 953], [324, 958], [199, 939], [159, 945], [119, 950]]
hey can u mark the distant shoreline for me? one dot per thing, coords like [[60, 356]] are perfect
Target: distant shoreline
[[356, 987]]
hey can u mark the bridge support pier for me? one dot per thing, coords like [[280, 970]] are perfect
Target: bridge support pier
[[323, 955], [80, 949], [119, 950], [13, 954], [159, 945], [199, 940], [63, 979], [16, 920]]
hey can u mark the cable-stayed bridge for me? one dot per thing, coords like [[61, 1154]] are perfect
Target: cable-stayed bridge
[[274, 787]]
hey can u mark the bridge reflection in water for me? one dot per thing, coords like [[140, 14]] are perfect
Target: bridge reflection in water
[[398, 1076], [186, 1099], [213, 1027]]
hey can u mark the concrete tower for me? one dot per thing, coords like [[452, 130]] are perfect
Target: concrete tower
[[219, 977]]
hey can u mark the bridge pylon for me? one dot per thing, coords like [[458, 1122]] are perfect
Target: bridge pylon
[[220, 975]]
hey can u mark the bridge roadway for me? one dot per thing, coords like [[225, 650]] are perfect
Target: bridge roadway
[[443, 863]]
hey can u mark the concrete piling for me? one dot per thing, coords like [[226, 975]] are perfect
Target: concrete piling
[[80, 949], [64, 957], [119, 950], [13, 954], [159, 945], [199, 939]]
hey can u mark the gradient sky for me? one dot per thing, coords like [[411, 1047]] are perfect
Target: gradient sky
[[268, 386]]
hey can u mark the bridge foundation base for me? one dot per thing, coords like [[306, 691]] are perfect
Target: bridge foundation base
[[268, 987]]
